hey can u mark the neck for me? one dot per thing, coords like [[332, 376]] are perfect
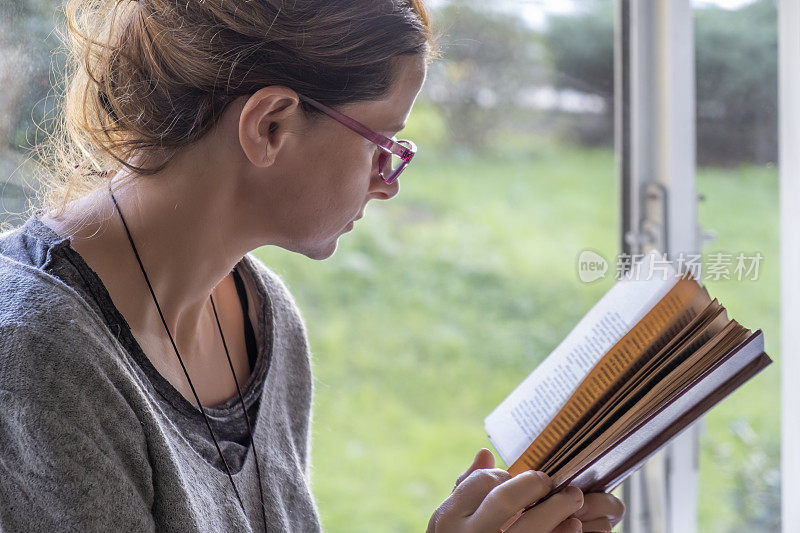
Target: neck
[[185, 240]]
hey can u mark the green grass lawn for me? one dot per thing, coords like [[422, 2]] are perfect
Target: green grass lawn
[[441, 301]]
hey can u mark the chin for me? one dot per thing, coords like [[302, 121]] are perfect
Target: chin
[[313, 248], [322, 253]]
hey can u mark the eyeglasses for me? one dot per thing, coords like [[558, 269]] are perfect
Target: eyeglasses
[[395, 154]]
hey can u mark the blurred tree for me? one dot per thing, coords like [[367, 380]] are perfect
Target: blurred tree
[[580, 48], [488, 58], [737, 83], [736, 76]]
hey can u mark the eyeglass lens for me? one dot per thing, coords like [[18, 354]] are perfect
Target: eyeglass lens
[[392, 165]]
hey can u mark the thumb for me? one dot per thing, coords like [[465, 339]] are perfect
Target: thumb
[[484, 459]]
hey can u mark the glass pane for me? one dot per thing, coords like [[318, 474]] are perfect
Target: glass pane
[[737, 98], [26, 71], [443, 299]]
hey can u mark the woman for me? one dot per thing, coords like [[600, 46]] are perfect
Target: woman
[[144, 348]]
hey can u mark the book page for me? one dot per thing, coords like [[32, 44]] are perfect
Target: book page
[[514, 424]]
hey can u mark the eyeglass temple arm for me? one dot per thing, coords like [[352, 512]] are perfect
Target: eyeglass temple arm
[[381, 140]]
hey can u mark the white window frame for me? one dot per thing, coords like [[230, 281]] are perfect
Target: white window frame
[[789, 164], [655, 147]]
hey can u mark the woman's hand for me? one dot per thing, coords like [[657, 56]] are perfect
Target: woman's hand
[[487, 499], [600, 512]]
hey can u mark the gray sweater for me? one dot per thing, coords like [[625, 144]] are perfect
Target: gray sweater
[[93, 438]]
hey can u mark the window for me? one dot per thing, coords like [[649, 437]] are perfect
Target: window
[[442, 300]]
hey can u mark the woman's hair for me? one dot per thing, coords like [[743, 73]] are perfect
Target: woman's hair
[[146, 78]]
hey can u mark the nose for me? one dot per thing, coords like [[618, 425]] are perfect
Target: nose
[[379, 188], [383, 190]]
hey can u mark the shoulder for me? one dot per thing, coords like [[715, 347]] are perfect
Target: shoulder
[[64, 402], [69, 435], [53, 346], [27, 292], [33, 299], [291, 358]]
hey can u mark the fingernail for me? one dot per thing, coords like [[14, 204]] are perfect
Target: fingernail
[[574, 492]]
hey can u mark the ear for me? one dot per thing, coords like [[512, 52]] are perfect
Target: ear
[[264, 123]]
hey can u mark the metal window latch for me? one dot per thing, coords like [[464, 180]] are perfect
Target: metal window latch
[[652, 232]]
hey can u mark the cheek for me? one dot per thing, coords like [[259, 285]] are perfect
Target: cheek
[[331, 181], [334, 188], [361, 159], [354, 170]]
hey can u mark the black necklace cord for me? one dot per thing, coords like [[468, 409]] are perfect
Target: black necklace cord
[[244, 409], [205, 417]]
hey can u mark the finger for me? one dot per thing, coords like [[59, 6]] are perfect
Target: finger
[[570, 525], [505, 500], [468, 495], [597, 525], [484, 459], [601, 505], [510, 521], [550, 513]]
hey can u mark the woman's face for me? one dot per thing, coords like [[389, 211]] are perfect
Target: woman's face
[[324, 174]]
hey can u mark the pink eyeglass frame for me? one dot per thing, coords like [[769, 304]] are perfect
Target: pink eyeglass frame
[[402, 148]]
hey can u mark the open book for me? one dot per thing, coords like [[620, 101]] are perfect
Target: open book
[[649, 358]]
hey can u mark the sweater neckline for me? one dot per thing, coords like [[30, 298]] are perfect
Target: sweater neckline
[[265, 330]]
